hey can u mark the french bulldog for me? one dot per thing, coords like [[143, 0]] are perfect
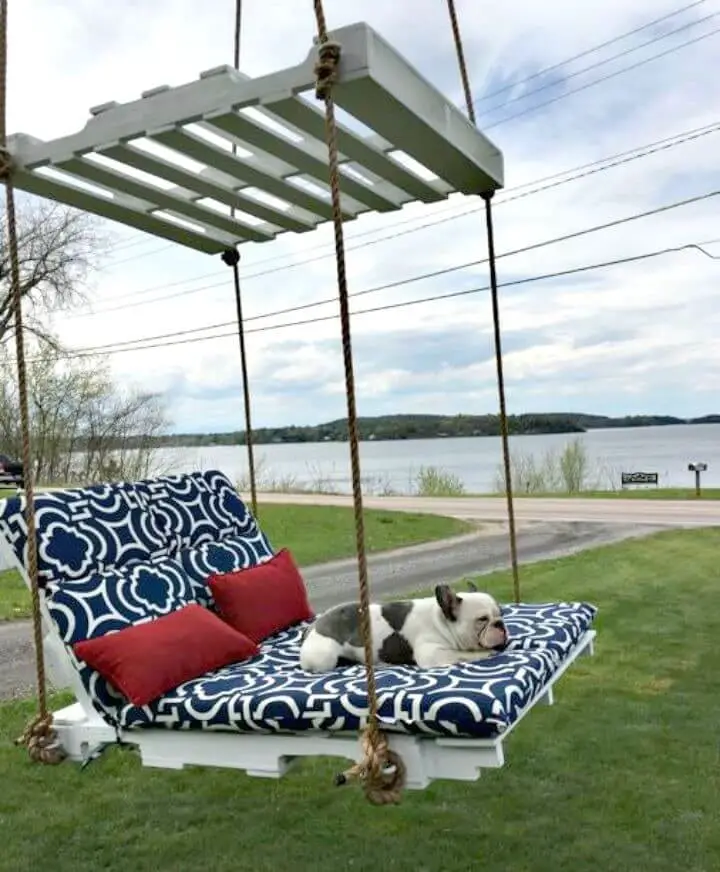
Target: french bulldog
[[433, 631]]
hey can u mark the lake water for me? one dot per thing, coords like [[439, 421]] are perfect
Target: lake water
[[394, 465]]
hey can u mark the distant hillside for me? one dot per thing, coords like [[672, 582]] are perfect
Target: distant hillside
[[393, 427]]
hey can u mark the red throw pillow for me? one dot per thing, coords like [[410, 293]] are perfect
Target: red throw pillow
[[263, 599], [146, 660]]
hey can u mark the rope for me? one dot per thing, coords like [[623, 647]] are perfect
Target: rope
[[39, 737], [232, 258], [494, 297], [381, 771]]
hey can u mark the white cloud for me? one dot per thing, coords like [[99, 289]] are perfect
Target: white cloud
[[659, 315]]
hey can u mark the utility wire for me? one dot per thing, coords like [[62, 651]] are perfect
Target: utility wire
[[697, 246], [119, 348], [606, 78], [575, 234], [587, 52], [597, 64], [590, 169], [446, 270]]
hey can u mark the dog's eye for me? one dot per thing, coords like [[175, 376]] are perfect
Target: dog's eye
[[481, 621]]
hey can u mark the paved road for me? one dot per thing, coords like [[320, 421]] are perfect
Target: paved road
[[401, 571], [664, 513], [410, 569]]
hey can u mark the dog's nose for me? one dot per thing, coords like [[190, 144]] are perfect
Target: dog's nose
[[499, 624]]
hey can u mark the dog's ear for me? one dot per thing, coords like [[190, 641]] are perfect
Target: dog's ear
[[448, 601], [471, 585]]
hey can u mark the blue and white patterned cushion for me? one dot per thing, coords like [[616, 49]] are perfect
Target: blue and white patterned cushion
[[552, 626], [114, 599], [84, 530], [110, 555], [201, 507], [228, 555], [122, 554], [270, 693]]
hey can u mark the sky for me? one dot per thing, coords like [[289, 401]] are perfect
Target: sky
[[632, 338]]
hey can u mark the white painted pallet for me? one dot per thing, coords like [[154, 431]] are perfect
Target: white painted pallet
[[82, 731], [164, 164]]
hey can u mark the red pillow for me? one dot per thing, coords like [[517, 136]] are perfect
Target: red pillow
[[263, 599], [147, 660]]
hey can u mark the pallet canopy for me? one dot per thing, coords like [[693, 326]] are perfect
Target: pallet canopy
[[164, 163]]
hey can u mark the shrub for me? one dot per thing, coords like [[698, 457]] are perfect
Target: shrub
[[433, 481]]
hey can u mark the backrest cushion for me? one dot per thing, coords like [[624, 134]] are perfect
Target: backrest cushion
[[112, 556], [113, 599], [84, 530], [213, 558], [199, 507]]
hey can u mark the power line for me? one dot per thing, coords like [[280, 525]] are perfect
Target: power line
[[586, 52], [697, 246], [601, 63], [119, 348], [553, 182], [601, 80], [617, 222]]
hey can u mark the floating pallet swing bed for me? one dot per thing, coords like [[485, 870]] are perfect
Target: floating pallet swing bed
[[107, 562]]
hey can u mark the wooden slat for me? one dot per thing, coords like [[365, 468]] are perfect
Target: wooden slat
[[300, 155], [135, 157], [201, 150], [296, 112], [162, 199], [54, 190]]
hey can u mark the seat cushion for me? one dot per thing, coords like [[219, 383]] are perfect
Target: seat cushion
[[271, 693]]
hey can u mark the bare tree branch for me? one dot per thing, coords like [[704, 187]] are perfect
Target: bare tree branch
[[85, 429], [58, 247]]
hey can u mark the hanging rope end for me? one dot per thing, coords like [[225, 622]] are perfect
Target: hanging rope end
[[41, 741], [381, 771], [326, 68]]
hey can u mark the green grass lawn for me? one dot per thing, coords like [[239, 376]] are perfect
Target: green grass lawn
[[649, 493], [314, 534], [14, 597], [622, 775]]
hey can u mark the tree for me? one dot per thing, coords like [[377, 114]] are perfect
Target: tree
[[57, 247], [84, 428]]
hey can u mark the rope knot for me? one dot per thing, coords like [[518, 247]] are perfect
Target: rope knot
[[326, 68], [381, 771], [41, 741], [6, 163]]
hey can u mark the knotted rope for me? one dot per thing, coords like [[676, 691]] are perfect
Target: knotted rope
[[381, 771], [41, 741], [39, 737]]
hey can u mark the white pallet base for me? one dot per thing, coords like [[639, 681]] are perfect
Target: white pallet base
[[82, 731], [267, 755]]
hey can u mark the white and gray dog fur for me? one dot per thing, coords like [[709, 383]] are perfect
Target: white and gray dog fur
[[433, 631]]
